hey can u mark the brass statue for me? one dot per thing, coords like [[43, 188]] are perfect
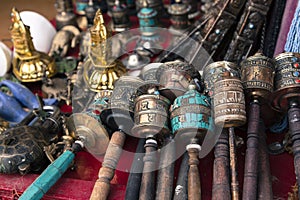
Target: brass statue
[[29, 65], [100, 69]]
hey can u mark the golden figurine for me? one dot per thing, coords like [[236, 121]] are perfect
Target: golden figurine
[[100, 69], [29, 65]]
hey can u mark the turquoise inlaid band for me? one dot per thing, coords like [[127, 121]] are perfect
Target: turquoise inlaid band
[[192, 120], [49, 177]]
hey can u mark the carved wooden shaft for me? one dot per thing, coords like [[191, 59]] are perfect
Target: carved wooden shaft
[[233, 167], [264, 176], [135, 176], [147, 190], [182, 179], [194, 185], [251, 160], [294, 125], [221, 181], [107, 171], [166, 171]]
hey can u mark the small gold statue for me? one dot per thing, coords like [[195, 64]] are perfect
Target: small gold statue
[[100, 69], [29, 65]]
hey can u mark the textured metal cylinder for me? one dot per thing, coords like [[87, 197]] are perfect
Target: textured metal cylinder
[[149, 72], [179, 16], [120, 17], [287, 79], [191, 115], [151, 115], [257, 75], [229, 103], [214, 71], [175, 77], [148, 21], [156, 5], [119, 113]]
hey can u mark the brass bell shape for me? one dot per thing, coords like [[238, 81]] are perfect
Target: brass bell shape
[[29, 65]]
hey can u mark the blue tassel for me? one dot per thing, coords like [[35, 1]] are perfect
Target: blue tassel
[[293, 39]]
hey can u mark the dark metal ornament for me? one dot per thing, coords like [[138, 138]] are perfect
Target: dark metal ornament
[[258, 76], [179, 16], [287, 80], [21, 147], [149, 71], [175, 77], [156, 5], [246, 32], [65, 15], [120, 17]]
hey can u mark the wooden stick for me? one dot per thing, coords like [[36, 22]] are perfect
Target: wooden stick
[[194, 184], [233, 167], [182, 179], [166, 171], [147, 190], [221, 180], [135, 176], [251, 160], [264, 176], [107, 171]]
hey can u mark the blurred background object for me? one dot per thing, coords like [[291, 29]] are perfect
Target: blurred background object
[[47, 10]]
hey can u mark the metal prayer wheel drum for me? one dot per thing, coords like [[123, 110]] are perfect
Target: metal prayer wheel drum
[[151, 116], [214, 72], [179, 15], [191, 115], [149, 71], [119, 114], [229, 103], [175, 77], [287, 80], [257, 75], [148, 21], [120, 17]]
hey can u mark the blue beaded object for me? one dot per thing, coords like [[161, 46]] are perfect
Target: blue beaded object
[[191, 111]]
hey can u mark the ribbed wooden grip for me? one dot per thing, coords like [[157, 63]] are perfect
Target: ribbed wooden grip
[[251, 160], [264, 176], [106, 173], [147, 190], [166, 171], [294, 125], [194, 186], [221, 174]]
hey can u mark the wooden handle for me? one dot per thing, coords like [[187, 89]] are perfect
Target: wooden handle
[[182, 179], [135, 176], [147, 190], [251, 160], [264, 176], [221, 180], [233, 167], [194, 185], [107, 171], [294, 125], [166, 171]]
